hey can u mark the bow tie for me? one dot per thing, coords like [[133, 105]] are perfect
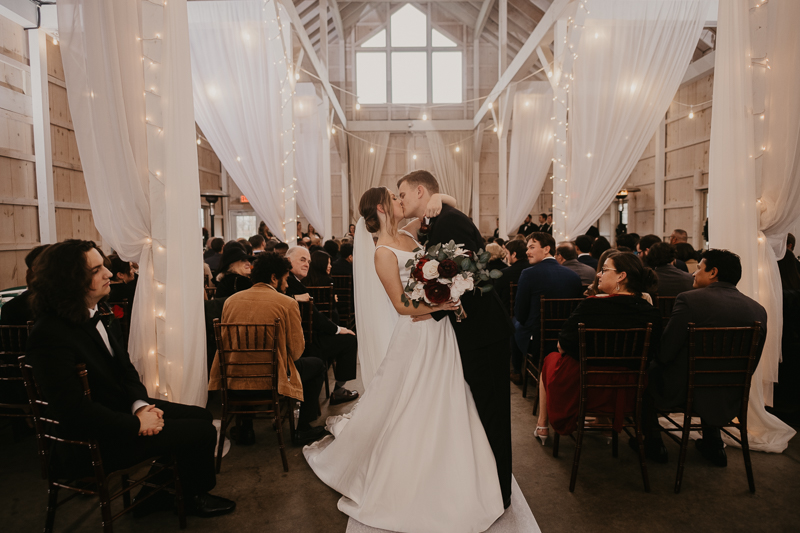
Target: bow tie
[[94, 320]]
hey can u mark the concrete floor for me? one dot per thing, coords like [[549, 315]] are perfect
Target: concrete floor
[[608, 496]]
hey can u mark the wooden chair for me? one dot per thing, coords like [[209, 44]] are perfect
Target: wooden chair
[[123, 309], [626, 350], [12, 345], [343, 290], [251, 346], [665, 305], [718, 358], [323, 299], [96, 484], [210, 292], [553, 312], [307, 321], [512, 296]]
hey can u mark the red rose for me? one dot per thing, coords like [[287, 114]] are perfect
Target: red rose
[[118, 311], [448, 268], [437, 293], [417, 272]]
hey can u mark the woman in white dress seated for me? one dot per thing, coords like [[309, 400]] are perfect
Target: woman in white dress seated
[[412, 456]]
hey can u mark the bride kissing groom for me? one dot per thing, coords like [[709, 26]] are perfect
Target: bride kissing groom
[[428, 447]]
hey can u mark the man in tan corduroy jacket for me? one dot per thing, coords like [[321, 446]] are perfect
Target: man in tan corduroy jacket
[[299, 377]]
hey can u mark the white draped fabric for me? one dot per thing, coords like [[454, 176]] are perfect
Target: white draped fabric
[[308, 163], [632, 56], [103, 72], [240, 87], [453, 168], [734, 202], [531, 149], [367, 155], [132, 210]]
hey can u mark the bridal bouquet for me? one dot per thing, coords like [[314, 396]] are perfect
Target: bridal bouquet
[[444, 272]]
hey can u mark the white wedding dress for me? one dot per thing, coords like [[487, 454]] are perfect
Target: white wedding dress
[[412, 456]]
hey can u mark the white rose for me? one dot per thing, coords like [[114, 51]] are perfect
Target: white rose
[[460, 286], [431, 269], [419, 292]]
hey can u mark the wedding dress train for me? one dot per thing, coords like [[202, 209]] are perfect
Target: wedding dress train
[[412, 456]]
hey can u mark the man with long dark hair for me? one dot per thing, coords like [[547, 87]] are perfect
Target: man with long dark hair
[[74, 327]]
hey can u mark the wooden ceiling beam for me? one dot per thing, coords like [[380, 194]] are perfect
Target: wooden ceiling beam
[[483, 17], [337, 18]]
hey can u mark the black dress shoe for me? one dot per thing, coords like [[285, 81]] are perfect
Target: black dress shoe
[[207, 505], [307, 436], [654, 449], [343, 396], [715, 454], [243, 436], [162, 501]]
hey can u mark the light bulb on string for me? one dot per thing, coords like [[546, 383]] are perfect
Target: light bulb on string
[[371, 150], [424, 116], [691, 113], [414, 157], [458, 148]]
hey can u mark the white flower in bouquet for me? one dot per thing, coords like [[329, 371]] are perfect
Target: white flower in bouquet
[[431, 269], [419, 292], [460, 286]]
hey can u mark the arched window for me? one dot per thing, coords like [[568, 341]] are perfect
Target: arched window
[[409, 62]]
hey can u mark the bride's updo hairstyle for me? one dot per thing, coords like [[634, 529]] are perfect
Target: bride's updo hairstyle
[[368, 207]]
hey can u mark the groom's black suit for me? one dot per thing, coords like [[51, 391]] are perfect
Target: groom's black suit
[[483, 339]]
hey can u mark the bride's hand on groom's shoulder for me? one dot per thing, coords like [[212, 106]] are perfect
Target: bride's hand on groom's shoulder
[[434, 206]]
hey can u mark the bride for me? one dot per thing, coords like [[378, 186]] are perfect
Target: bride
[[412, 456]]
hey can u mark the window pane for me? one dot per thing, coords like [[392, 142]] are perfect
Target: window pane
[[410, 78], [245, 226], [409, 26], [447, 78], [437, 39], [376, 41], [371, 77]]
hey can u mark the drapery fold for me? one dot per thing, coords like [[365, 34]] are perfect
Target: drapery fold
[[734, 203], [632, 56], [308, 162], [240, 87], [531, 149], [451, 153], [103, 72], [367, 155]]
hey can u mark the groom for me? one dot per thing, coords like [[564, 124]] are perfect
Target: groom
[[483, 336]]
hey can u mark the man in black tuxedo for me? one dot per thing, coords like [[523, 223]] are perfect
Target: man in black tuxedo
[[69, 282], [527, 227], [344, 265], [330, 342], [583, 245], [483, 335], [545, 223], [715, 302]]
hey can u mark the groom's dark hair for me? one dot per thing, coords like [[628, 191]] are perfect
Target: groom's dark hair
[[420, 177]]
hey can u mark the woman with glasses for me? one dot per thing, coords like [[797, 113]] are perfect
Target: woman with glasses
[[618, 304]]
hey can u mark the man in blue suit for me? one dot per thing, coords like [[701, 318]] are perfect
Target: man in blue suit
[[544, 279]]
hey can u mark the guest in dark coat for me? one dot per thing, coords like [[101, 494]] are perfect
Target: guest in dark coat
[[544, 279], [622, 281], [567, 256], [234, 275], [69, 283], [213, 255], [344, 265], [517, 261], [715, 303], [17, 311], [671, 281], [496, 261], [527, 227], [583, 245]]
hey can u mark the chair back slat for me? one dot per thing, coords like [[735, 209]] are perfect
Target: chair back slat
[[625, 350], [241, 345], [723, 357], [665, 305], [323, 299], [210, 292], [343, 289], [12, 345], [307, 320], [553, 313]]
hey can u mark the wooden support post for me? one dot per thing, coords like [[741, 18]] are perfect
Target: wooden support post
[[37, 41], [560, 146], [660, 169]]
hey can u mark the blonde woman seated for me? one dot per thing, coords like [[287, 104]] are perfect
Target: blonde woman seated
[[498, 254], [621, 281]]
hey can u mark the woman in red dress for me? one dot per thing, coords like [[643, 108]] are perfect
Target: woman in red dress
[[622, 280]]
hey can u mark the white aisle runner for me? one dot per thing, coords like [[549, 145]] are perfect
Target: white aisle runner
[[517, 519]]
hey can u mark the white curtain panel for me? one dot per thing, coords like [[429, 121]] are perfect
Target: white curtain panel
[[733, 182], [531, 149], [103, 71], [308, 162], [452, 162], [367, 155], [632, 56], [240, 85]]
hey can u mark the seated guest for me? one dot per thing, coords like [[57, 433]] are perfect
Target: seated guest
[[258, 243], [517, 261], [715, 303], [567, 256], [790, 244], [627, 240], [583, 246], [248, 249], [790, 278], [526, 228], [671, 281], [262, 304], [300, 233], [305, 242], [496, 233], [544, 279], [17, 311], [214, 253], [351, 231], [123, 282], [281, 248], [264, 231], [234, 273], [678, 235], [599, 246], [594, 288], [332, 248], [646, 242], [686, 253], [319, 271], [496, 259], [344, 265], [208, 277], [331, 342], [622, 282], [69, 283], [501, 242]]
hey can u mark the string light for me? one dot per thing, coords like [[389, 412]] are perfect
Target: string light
[[55, 41], [371, 150], [424, 116], [691, 114], [458, 148], [415, 157]]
